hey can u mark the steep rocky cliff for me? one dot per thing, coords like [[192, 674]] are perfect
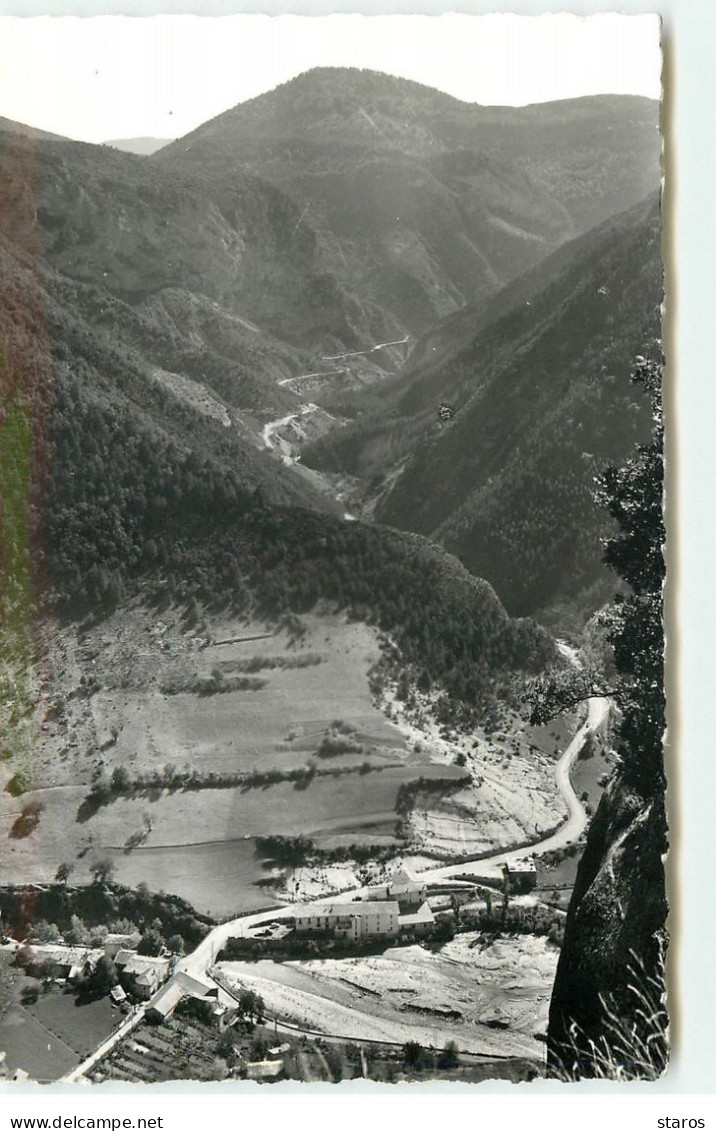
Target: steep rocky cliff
[[606, 1016]]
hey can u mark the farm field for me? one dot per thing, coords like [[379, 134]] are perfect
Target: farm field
[[151, 1055], [513, 797], [220, 872], [49, 1037], [487, 995], [314, 674], [216, 878], [180, 1049], [146, 694]]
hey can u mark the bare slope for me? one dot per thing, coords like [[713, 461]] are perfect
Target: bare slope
[[208, 728], [420, 202]]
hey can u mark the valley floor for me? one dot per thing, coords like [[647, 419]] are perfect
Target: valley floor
[[490, 997], [145, 694]]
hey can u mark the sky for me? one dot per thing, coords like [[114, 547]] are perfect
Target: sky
[[110, 77]]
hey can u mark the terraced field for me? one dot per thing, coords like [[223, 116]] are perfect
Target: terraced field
[[223, 731], [181, 1049], [167, 697]]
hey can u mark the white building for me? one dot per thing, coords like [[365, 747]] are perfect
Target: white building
[[352, 921], [401, 887], [264, 1069], [141, 974], [113, 943], [523, 872], [417, 922]]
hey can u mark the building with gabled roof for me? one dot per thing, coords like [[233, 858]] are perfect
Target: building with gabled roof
[[114, 942], [141, 974], [401, 887], [354, 921], [182, 985], [417, 922], [163, 1004], [69, 961]]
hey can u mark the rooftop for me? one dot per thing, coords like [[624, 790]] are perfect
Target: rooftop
[[167, 998], [140, 963], [401, 878], [199, 987], [527, 865], [422, 915], [131, 941], [264, 1067], [352, 910], [64, 955]]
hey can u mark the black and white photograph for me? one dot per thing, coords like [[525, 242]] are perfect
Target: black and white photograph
[[332, 700]]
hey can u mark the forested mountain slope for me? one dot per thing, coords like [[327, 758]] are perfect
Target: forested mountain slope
[[113, 486], [541, 403], [343, 210], [156, 239], [419, 202]]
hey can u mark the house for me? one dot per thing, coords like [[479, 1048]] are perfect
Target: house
[[279, 1050], [264, 1069], [68, 962], [417, 922], [113, 943], [163, 1004], [182, 985], [140, 974], [522, 874], [408, 892], [354, 921]]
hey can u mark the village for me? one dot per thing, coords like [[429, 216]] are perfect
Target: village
[[147, 980], [393, 951]]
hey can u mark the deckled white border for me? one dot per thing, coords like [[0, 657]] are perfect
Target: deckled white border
[[689, 40]]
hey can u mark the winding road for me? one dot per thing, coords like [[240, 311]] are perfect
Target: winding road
[[341, 357], [274, 425], [204, 956], [568, 832], [362, 353]]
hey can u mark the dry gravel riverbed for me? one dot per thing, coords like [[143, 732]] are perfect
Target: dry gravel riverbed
[[487, 996]]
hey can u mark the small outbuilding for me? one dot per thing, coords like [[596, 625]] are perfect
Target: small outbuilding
[[264, 1069], [163, 1004]]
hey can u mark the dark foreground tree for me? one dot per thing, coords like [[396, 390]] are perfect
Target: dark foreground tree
[[98, 982], [607, 1015], [413, 1054]]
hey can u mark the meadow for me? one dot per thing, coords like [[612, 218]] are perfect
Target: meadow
[[157, 698], [47, 1037], [125, 705]]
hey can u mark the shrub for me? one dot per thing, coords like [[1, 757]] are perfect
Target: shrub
[[18, 784], [28, 820]]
